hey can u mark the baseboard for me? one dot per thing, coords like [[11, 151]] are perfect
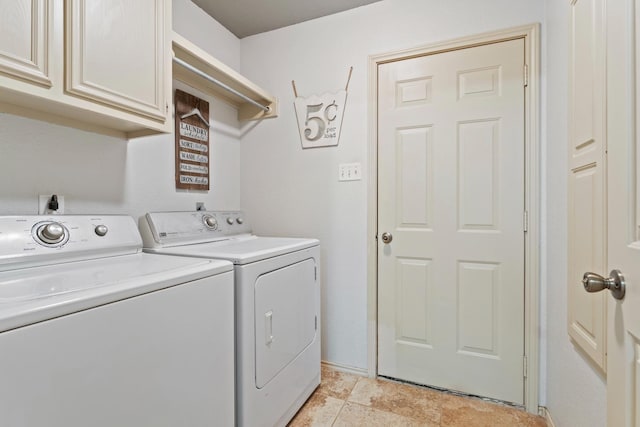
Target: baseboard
[[348, 369], [543, 411]]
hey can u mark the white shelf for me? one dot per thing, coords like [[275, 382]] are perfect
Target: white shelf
[[194, 56]]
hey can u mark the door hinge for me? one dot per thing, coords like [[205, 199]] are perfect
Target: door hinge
[[526, 75], [316, 323], [315, 273], [525, 221], [524, 366]]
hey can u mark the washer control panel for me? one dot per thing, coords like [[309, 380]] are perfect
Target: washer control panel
[[38, 239], [50, 233], [162, 228]]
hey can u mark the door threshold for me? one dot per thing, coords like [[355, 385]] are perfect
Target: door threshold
[[455, 393]]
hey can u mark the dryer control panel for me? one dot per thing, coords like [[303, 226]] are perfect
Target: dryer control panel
[[162, 229]]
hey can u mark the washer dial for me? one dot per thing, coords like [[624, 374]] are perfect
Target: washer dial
[[51, 234], [210, 221]]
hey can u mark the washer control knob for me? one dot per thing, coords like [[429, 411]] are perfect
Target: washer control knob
[[230, 221], [210, 222], [239, 220], [52, 232], [101, 230]]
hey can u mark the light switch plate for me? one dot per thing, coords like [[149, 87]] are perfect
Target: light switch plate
[[349, 172]]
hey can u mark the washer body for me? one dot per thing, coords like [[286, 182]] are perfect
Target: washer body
[[95, 332], [277, 307]]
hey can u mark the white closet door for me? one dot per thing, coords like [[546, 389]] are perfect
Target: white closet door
[[586, 221], [451, 194], [623, 223]]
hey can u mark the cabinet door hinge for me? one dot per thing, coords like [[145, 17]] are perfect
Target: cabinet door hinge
[[316, 323], [525, 221], [315, 273], [526, 75], [524, 366]]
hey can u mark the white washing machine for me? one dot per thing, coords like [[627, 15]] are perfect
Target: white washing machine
[[93, 332], [277, 306]]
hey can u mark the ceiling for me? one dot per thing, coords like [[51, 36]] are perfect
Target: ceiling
[[247, 17]]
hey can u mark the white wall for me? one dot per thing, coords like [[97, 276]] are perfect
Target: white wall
[[100, 174], [289, 191], [576, 391], [196, 26]]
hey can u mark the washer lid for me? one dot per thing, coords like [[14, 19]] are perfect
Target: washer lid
[[241, 250], [31, 295]]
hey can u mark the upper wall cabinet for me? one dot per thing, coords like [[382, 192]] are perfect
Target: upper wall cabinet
[[116, 54], [100, 65], [24, 48]]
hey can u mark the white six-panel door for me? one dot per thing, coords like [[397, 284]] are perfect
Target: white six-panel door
[[451, 195]]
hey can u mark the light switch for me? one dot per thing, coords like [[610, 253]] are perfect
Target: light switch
[[349, 172]]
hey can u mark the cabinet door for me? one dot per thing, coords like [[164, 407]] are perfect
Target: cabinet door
[[24, 40], [116, 53]]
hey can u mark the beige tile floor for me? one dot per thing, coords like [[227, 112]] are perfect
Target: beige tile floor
[[350, 400]]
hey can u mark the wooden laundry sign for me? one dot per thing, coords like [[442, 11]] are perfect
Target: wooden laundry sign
[[192, 142]]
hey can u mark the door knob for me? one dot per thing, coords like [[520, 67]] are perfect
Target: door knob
[[615, 283], [386, 238]]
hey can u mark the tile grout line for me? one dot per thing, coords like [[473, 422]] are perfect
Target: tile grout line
[[352, 388], [344, 402]]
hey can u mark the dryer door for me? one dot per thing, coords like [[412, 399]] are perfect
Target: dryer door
[[285, 317]]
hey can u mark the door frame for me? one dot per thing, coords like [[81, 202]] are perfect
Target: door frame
[[530, 35]]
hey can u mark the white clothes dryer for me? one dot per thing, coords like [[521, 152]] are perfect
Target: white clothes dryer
[[277, 306], [93, 332]]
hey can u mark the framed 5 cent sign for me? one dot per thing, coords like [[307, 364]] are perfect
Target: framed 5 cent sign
[[192, 142], [320, 116]]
